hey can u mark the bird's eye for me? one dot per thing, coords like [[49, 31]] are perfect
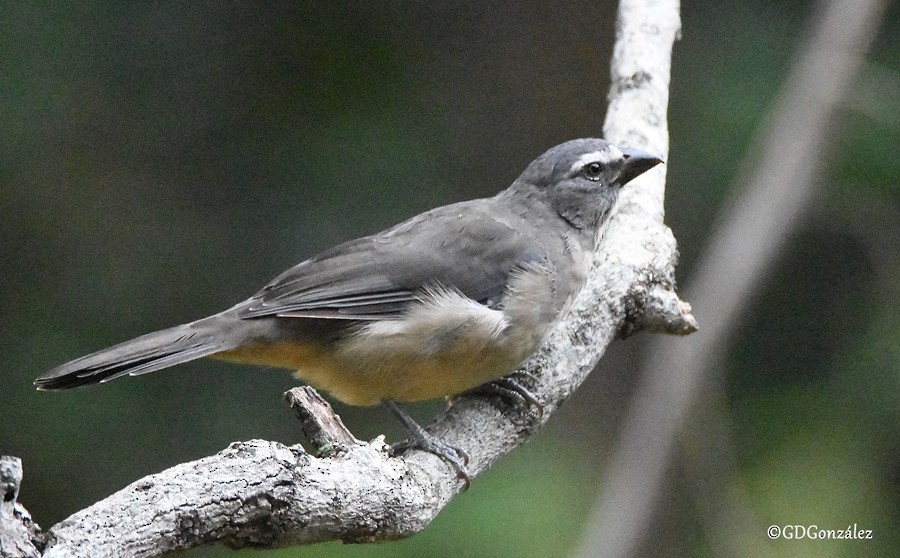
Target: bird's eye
[[592, 171]]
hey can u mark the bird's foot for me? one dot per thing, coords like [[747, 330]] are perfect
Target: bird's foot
[[420, 439], [510, 390]]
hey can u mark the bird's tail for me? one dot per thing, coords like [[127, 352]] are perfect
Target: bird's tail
[[145, 354]]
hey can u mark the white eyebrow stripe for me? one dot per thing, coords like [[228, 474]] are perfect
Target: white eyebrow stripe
[[611, 153]]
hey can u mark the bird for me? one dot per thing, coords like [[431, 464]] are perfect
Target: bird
[[444, 302]]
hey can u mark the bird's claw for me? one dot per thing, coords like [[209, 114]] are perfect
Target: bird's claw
[[510, 390], [420, 439]]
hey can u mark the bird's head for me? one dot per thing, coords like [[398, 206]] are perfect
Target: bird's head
[[581, 178]]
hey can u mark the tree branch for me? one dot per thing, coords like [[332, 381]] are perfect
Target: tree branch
[[778, 186], [265, 494], [19, 536]]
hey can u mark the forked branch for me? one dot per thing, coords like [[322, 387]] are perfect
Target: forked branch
[[266, 494]]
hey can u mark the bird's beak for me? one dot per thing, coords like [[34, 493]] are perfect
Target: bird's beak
[[636, 163]]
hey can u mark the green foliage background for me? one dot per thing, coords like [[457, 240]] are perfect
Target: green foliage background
[[161, 161]]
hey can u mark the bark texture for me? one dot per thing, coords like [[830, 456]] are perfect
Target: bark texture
[[19, 536]]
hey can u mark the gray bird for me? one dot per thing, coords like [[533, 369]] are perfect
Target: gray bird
[[441, 303]]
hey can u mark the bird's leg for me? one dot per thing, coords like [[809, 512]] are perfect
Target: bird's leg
[[512, 391], [420, 439]]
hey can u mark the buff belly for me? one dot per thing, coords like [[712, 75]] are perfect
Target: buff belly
[[365, 372], [444, 345]]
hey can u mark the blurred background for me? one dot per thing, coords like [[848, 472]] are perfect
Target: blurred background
[[162, 161]]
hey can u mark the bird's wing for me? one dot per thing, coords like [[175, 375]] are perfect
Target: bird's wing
[[466, 246]]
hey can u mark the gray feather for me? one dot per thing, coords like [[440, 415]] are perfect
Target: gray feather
[[145, 354], [469, 246]]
